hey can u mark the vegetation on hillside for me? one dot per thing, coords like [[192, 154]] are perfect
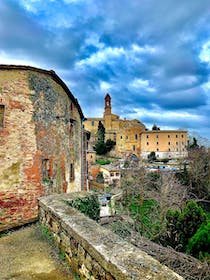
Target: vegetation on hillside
[[169, 208]]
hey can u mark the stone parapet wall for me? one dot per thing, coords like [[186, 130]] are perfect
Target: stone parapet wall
[[93, 251]]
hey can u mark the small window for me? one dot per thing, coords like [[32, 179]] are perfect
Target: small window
[[157, 143], [168, 136], [71, 172], [134, 147], [93, 123], [169, 149], [71, 106], [176, 136], [126, 136], [45, 169], [177, 143], [121, 137], [147, 136], [112, 174], [157, 150], [156, 136], [169, 143], [147, 143], [136, 136], [2, 111], [182, 136]]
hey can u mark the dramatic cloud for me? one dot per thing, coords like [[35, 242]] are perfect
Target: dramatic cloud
[[152, 56]]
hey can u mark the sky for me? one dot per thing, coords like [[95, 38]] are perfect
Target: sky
[[153, 57]]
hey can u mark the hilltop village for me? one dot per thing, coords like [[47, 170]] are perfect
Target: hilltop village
[[133, 138], [145, 182]]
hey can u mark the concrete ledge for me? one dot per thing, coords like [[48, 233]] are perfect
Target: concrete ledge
[[95, 252]]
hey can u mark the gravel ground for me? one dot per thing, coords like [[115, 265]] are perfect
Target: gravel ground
[[25, 254]]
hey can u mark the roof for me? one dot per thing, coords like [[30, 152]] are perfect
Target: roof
[[51, 73], [164, 131], [110, 167]]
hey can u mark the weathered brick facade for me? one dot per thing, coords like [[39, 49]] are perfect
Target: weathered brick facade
[[41, 141]]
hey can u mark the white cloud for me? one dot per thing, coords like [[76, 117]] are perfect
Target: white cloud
[[102, 56], [205, 52], [165, 115], [145, 49], [8, 59], [141, 84], [104, 86]]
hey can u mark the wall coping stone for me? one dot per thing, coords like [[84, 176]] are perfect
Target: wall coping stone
[[120, 258]]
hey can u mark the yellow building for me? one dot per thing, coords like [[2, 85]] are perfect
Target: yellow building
[[165, 143], [126, 133], [132, 137]]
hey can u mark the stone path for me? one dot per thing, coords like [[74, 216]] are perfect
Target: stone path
[[26, 255]]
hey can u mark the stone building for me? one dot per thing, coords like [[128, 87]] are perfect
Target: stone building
[[165, 143], [41, 141], [132, 137], [126, 133]]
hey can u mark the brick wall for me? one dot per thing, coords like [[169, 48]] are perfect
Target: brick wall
[[39, 142]]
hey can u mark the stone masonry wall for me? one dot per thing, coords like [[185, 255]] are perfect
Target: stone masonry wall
[[93, 251], [40, 142]]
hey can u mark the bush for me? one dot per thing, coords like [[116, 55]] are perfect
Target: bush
[[100, 148], [110, 145], [181, 226], [199, 244], [102, 161], [88, 205]]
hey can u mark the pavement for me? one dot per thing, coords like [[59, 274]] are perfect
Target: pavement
[[27, 255]]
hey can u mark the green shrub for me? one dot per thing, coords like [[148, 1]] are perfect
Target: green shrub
[[88, 205], [199, 244], [103, 161], [181, 226]]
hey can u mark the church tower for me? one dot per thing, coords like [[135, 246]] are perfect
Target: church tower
[[107, 108]]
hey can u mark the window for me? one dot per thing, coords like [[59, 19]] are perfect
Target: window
[[2, 111], [177, 143], [182, 136], [126, 136], [156, 136], [71, 106], [134, 147], [157, 150], [93, 123], [71, 130], [136, 136], [168, 136], [176, 136], [147, 143], [45, 169], [169, 143], [147, 136], [169, 149], [112, 174], [121, 137], [157, 143], [71, 172]]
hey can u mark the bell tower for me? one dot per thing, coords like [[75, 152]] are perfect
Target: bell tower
[[107, 107]]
